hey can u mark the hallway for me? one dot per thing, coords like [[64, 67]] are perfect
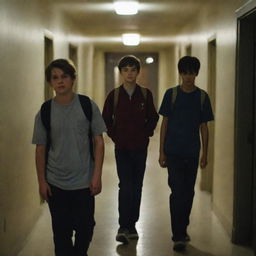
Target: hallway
[[90, 33], [208, 236]]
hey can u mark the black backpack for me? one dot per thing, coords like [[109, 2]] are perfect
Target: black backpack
[[45, 112]]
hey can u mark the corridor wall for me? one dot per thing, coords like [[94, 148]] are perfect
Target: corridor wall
[[23, 26], [218, 20]]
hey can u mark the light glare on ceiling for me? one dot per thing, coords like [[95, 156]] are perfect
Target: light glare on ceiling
[[131, 39], [126, 7]]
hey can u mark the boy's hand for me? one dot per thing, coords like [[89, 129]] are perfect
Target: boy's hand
[[95, 186], [45, 191], [203, 161], [162, 161]]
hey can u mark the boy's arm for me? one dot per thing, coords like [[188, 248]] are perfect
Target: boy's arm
[[96, 186], [162, 156], [152, 116], [204, 136], [44, 188], [107, 113]]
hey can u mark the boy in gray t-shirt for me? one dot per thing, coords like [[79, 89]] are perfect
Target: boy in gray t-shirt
[[68, 177]]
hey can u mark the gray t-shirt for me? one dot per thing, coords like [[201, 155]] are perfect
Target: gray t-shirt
[[69, 164]]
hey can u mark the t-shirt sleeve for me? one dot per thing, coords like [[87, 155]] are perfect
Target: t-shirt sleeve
[[98, 125], [207, 114], [39, 134], [166, 104]]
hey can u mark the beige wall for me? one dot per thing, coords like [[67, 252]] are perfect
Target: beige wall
[[99, 78], [167, 71], [22, 30], [85, 69]]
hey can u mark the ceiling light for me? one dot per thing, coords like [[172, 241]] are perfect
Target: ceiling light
[[131, 39], [149, 60], [126, 7]]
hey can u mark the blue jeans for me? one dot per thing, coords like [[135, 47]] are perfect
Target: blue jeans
[[130, 169], [71, 210], [182, 172]]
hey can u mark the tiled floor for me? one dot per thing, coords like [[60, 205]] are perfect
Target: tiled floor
[[208, 236]]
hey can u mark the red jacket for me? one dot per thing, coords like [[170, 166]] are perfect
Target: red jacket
[[135, 119]]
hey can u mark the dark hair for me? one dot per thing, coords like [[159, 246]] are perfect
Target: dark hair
[[188, 64], [130, 61], [65, 65]]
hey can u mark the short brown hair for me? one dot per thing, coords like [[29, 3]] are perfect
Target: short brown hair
[[130, 61], [67, 66]]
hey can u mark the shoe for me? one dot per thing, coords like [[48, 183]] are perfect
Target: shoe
[[187, 238], [179, 246], [133, 234], [122, 235]]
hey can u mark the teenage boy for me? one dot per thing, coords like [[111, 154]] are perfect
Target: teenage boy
[[68, 177], [186, 109], [131, 118]]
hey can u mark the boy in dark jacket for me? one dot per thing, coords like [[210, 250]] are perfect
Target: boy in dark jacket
[[131, 118]]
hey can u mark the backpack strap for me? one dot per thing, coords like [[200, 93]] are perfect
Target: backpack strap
[[86, 106], [202, 98], [45, 113], [175, 92], [174, 96], [87, 109]]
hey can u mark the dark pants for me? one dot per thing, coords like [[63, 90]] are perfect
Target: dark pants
[[181, 179], [130, 169], [72, 210]]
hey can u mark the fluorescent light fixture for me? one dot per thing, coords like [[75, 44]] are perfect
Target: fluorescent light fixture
[[131, 39], [126, 7]]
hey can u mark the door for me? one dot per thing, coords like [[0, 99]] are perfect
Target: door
[[254, 154], [244, 221]]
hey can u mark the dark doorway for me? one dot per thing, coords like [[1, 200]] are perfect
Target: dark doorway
[[73, 56], [207, 174], [189, 50], [73, 53], [48, 57], [244, 222], [148, 74]]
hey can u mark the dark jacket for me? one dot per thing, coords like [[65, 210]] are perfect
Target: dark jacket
[[134, 119]]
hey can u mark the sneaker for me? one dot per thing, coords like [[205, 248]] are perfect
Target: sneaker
[[179, 246], [133, 234], [122, 236]]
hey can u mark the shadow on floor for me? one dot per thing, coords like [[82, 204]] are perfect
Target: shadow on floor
[[193, 251], [130, 250], [127, 249]]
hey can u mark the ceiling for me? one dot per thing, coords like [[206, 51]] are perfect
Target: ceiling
[[156, 20]]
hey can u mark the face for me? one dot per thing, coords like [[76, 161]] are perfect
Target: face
[[129, 74], [61, 83], [188, 78]]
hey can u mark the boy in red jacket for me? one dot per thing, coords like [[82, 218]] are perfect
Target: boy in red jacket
[[130, 117]]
